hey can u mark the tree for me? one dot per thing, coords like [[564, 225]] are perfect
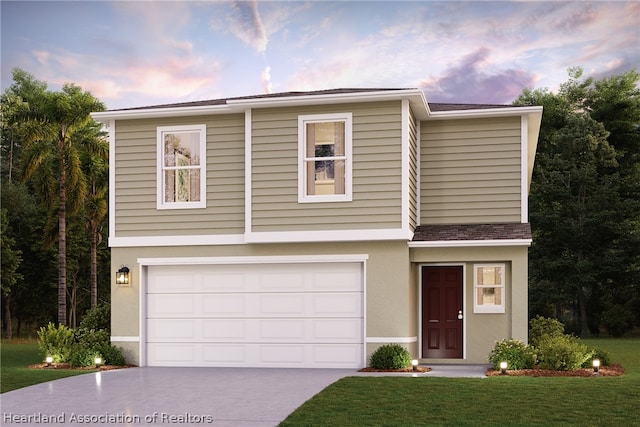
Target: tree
[[53, 127], [584, 199], [11, 259]]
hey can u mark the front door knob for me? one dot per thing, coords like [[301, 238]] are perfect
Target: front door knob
[[460, 316]]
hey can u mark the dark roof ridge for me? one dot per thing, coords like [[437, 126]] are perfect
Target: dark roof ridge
[[223, 101]]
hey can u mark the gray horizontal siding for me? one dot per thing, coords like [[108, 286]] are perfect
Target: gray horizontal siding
[[135, 187], [470, 171], [376, 171]]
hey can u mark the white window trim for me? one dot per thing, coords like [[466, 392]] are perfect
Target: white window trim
[[489, 308], [347, 118], [202, 203]]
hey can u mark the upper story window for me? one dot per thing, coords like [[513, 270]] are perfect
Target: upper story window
[[489, 288], [182, 167], [324, 147]]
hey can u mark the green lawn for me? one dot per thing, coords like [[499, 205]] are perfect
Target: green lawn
[[14, 373], [494, 401]]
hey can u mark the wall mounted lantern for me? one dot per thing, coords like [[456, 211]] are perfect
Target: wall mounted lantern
[[122, 276]]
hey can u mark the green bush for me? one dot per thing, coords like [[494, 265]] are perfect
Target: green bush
[[84, 357], [541, 327], [112, 355], [56, 342], [562, 353], [91, 338], [517, 354], [96, 318], [391, 356], [603, 356]]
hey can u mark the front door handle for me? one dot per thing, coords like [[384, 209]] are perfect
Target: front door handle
[[460, 316]]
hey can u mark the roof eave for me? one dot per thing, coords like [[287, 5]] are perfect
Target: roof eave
[[415, 96], [161, 112], [486, 112]]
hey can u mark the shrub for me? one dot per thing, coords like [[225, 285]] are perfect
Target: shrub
[[541, 327], [603, 356], [91, 338], [84, 357], [96, 318], [562, 353], [112, 355], [56, 342], [391, 356], [517, 354]]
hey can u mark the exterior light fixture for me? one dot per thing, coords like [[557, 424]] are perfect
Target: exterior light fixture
[[414, 365], [596, 365], [503, 368], [98, 361], [122, 276], [49, 360]]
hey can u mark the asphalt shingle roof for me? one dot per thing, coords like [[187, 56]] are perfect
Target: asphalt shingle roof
[[434, 106], [450, 232]]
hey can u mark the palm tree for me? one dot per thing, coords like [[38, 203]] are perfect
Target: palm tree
[[51, 158], [95, 163]]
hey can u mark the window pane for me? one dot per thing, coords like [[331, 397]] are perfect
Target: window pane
[[489, 275], [328, 178], [182, 149], [182, 185], [325, 139], [489, 296]]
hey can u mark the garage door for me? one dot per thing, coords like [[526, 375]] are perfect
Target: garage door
[[260, 315]]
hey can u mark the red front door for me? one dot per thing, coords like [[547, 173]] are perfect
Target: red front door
[[442, 312]]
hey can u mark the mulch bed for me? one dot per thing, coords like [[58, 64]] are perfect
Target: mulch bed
[[82, 368], [410, 370], [605, 371]]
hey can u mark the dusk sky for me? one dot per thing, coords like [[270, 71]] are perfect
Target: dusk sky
[[138, 53]]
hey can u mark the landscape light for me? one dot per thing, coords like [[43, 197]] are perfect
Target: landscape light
[[414, 364], [596, 366], [503, 368], [98, 361], [49, 360]]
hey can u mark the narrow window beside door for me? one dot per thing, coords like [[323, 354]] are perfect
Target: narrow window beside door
[[489, 288]]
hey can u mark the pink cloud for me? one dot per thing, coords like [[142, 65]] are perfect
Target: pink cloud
[[467, 82]]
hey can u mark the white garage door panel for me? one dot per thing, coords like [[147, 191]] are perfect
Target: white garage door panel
[[256, 355], [345, 304], [322, 331], [269, 315]]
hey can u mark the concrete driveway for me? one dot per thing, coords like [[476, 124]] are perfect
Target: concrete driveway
[[234, 397], [168, 396]]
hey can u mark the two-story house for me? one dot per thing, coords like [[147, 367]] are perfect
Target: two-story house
[[306, 229]]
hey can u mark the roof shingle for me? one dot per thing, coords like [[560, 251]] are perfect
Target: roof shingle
[[450, 232]]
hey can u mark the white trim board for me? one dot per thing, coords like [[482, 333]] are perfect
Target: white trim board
[[395, 340], [470, 243], [285, 259], [124, 339]]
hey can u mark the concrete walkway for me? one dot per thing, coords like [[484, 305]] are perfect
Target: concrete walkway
[[179, 396]]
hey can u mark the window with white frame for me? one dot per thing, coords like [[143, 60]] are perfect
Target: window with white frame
[[181, 167], [489, 288], [324, 147]]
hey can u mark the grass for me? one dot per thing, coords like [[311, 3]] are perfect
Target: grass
[[16, 356], [504, 401]]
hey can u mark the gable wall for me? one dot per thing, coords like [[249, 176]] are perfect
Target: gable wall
[[470, 171], [376, 171], [136, 185]]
